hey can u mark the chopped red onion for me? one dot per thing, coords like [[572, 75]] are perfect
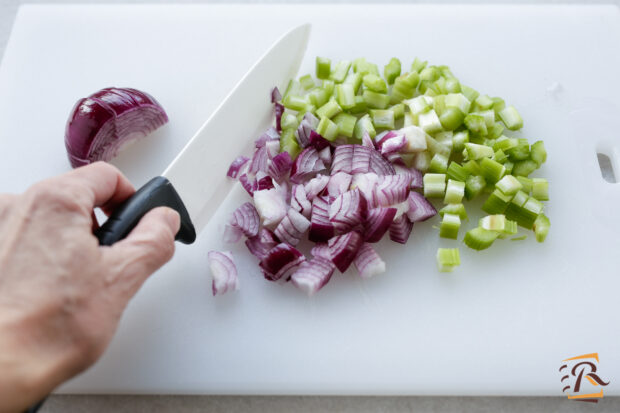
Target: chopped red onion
[[246, 219], [269, 135], [102, 123], [279, 110], [271, 206], [354, 159], [339, 183], [391, 142], [306, 166], [368, 262], [305, 128], [223, 271], [299, 201], [395, 159], [249, 186], [279, 166], [400, 229], [260, 245], [312, 275], [264, 183], [259, 160], [367, 184], [419, 208], [413, 174], [236, 165], [318, 142], [321, 228], [378, 221], [273, 148], [325, 155], [344, 248], [321, 250], [292, 227], [280, 262], [232, 234], [275, 95], [392, 189], [315, 186], [348, 210], [367, 141]]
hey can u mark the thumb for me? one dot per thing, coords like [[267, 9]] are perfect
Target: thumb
[[147, 247]]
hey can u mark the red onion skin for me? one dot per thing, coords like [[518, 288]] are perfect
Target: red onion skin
[[93, 114]]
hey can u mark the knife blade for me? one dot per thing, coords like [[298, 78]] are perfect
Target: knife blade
[[194, 183]]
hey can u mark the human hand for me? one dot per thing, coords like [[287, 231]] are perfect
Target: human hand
[[61, 294]]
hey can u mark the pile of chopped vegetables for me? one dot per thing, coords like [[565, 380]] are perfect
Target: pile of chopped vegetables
[[354, 156]]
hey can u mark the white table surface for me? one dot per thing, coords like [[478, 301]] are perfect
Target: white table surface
[[276, 404]]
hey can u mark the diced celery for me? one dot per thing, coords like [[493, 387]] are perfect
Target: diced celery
[[495, 131], [514, 210], [318, 97], [323, 67], [520, 152], [382, 119], [289, 120], [404, 86], [307, 82], [452, 85], [538, 152], [484, 102], [454, 192], [541, 227], [476, 124], [429, 122], [346, 124], [360, 105], [511, 118], [474, 185], [430, 73], [295, 102], [449, 227], [524, 168], [503, 143], [509, 185], [540, 189], [459, 139], [470, 94], [451, 118], [439, 104], [392, 70], [498, 223], [456, 209], [340, 70], [364, 125], [498, 106], [527, 184], [376, 100], [448, 259], [456, 172], [458, 101], [327, 129], [418, 65], [288, 143], [492, 170], [363, 67], [399, 110], [480, 238], [434, 185], [472, 167], [329, 86], [475, 151], [436, 147], [439, 164], [329, 110], [355, 80], [374, 83], [408, 119], [419, 105], [488, 116], [345, 95], [496, 203], [293, 88]]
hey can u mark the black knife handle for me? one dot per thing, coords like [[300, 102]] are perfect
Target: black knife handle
[[155, 193]]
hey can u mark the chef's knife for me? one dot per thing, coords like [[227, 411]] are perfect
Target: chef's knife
[[194, 183]]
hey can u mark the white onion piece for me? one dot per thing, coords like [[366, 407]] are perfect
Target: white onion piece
[[271, 206]]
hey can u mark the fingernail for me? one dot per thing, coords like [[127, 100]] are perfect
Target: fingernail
[[173, 219]]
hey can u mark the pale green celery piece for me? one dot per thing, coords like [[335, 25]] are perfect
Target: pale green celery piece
[[360, 105], [307, 82], [399, 110], [329, 86], [430, 73], [439, 164], [484, 102], [521, 152], [496, 130], [488, 116], [498, 106], [289, 120], [374, 83], [452, 85], [408, 159], [470, 94], [346, 124], [456, 172], [363, 67], [445, 138], [509, 185], [474, 186], [364, 125], [340, 71], [439, 104], [329, 110], [418, 65], [392, 70], [354, 79], [408, 120], [480, 238], [514, 210], [429, 122], [498, 223], [436, 147], [404, 87], [492, 170], [327, 129], [475, 151], [451, 118], [509, 165], [527, 184], [456, 209], [445, 71], [295, 102], [496, 203], [540, 189], [519, 238], [419, 105], [459, 139], [500, 156], [345, 95], [524, 168], [323, 67], [458, 101], [455, 191], [476, 124], [288, 143], [541, 227], [538, 153], [504, 143], [382, 119], [434, 185], [293, 88], [526, 214], [472, 167], [318, 97], [376, 100], [449, 227], [440, 86], [511, 118], [422, 161], [448, 259]]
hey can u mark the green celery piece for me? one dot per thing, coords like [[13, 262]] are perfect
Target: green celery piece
[[418, 65], [492, 170], [399, 110], [360, 105], [449, 227], [538, 153], [293, 88], [458, 101], [318, 97], [541, 227], [354, 79], [472, 167], [440, 86], [520, 152], [496, 203], [420, 104], [439, 164], [514, 210], [323, 67], [524, 168], [339, 73], [540, 189], [479, 238], [329, 110], [470, 94], [475, 151], [519, 238], [364, 125], [505, 143], [452, 85], [498, 106], [448, 259], [346, 124], [459, 139], [295, 102], [488, 116], [429, 122], [527, 184], [527, 214], [484, 102], [363, 67], [500, 156], [404, 87], [288, 143], [434, 185], [444, 138], [456, 172], [495, 131], [329, 86], [307, 82], [456, 209], [374, 83], [451, 118], [509, 185], [376, 100], [509, 165], [437, 147], [430, 73], [439, 104], [476, 124], [474, 185], [345, 95], [289, 120], [511, 118], [327, 129], [455, 190], [382, 118], [391, 71]]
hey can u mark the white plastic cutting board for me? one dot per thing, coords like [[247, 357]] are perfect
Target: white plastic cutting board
[[500, 324]]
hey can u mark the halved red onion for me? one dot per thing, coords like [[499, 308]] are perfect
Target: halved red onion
[[271, 206], [246, 219], [306, 166], [400, 229], [281, 261], [260, 245], [299, 201], [354, 159], [102, 123], [392, 189], [344, 248], [312, 275], [305, 128], [321, 250], [318, 142], [279, 166], [347, 211], [223, 271], [391, 142], [413, 174], [339, 183], [321, 228], [259, 160], [279, 110], [367, 141], [249, 185], [325, 155], [419, 208], [232, 234], [378, 221], [236, 165], [368, 262], [292, 227], [275, 95], [264, 183], [315, 186]]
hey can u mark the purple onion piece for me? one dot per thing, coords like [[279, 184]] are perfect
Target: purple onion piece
[[271, 206], [260, 245], [339, 183], [355, 159], [223, 271], [413, 174], [321, 250], [318, 142], [266, 182], [344, 248], [378, 221], [279, 166], [325, 155], [391, 142], [315, 186], [236, 165], [299, 201], [312, 275], [307, 125], [275, 95], [368, 262], [247, 184], [279, 110], [367, 141], [232, 234], [281, 261], [420, 209], [321, 228], [306, 166], [395, 159], [348, 211], [259, 160], [392, 189], [100, 124], [400, 229], [367, 184], [246, 219], [292, 227]]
